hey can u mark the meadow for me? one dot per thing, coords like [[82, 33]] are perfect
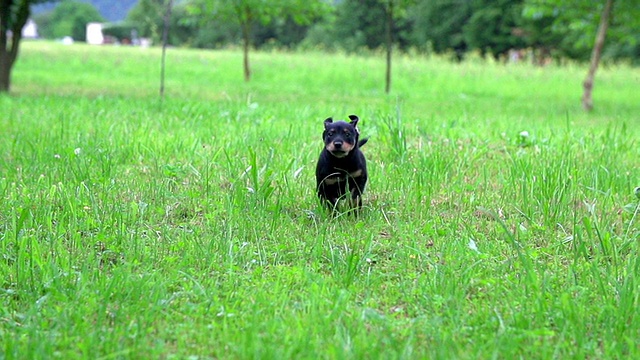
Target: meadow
[[500, 219]]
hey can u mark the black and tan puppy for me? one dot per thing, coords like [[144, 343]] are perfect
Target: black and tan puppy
[[342, 166]]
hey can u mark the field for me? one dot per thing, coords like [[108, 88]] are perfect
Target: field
[[500, 220]]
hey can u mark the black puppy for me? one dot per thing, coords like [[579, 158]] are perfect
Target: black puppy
[[341, 163]]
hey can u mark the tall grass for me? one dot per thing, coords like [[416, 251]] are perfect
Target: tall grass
[[189, 228]]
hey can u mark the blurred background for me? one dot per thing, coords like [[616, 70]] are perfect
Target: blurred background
[[536, 31]]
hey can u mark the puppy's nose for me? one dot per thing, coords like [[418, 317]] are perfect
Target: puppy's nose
[[337, 144]]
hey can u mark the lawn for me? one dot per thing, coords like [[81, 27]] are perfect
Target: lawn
[[500, 220]]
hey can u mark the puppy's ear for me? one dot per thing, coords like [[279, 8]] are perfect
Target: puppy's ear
[[354, 122], [327, 122]]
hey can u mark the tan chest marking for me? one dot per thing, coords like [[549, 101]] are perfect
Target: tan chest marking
[[337, 179], [356, 173]]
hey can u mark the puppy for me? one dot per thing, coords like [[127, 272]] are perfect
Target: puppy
[[341, 165]]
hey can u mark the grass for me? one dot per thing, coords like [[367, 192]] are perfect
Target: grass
[[188, 228]]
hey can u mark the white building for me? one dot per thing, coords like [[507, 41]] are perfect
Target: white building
[[30, 30], [94, 34]]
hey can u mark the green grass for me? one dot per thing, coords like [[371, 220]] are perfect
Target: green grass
[[189, 228]]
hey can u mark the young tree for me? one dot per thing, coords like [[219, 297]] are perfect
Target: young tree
[[249, 12], [370, 24], [587, 100], [165, 38], [586, 20], [393, 9], [148, 17], [13, 17]]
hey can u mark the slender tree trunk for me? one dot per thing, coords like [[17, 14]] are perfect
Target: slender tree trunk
[[587, 101], [246, 40], [9, 49], [5, 70], [389, 42], [165, 39]]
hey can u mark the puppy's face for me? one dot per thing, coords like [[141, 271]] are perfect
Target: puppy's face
[[340, 137]]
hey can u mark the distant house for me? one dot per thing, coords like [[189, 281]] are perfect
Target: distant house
[[30, 30], [94, 34]]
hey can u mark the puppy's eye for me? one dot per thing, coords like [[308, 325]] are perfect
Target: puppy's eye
[[331, 133], [347, 135]]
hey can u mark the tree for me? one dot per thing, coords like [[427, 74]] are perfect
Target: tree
[[147, 15], [536, 34], [13, 17], [370, 24], [246, 13], [165, 37], [283, 32], [582, 21], [439, 23], [69, 18], [393, 9], [491, 25], [359, 24], [147, 18], [587, 101]]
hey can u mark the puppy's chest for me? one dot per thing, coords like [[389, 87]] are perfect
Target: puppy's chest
[[339, 176]]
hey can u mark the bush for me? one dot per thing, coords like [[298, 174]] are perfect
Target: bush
[[119, 31]]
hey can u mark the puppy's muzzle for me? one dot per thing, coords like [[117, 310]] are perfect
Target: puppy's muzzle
[[339, 149]]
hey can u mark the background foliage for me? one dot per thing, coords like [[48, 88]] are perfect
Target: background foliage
[[549, 28], [68, 18]]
